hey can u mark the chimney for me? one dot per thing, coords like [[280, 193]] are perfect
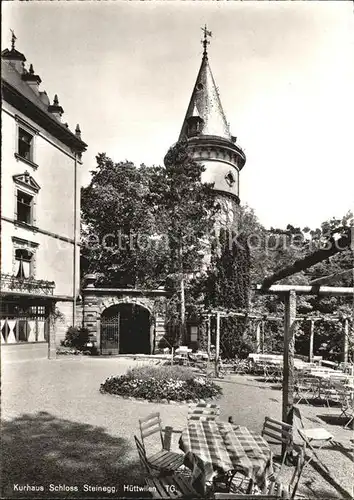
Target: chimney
[[31, 79], [56, 109], [78, 131]]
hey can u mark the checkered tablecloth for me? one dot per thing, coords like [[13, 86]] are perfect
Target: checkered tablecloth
[[223, 446]]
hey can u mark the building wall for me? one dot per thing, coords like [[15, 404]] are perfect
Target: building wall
[[54, 215], [216, 172], [54, 205]]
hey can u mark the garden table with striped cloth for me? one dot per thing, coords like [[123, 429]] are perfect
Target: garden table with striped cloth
[[221, 446]]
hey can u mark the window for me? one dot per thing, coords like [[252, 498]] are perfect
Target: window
[[230, 179], [25, 144], [23, 260], [24, 207]]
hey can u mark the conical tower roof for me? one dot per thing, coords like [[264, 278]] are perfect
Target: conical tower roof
[[205, 103]]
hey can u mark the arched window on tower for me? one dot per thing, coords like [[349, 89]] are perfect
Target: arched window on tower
[[194, 126]]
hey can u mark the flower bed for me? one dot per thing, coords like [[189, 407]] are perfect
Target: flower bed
[[163, 383]]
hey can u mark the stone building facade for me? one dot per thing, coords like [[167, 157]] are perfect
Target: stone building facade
[[40, 208], [124, 321]]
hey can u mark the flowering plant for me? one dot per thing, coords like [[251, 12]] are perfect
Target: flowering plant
[[157, 383]]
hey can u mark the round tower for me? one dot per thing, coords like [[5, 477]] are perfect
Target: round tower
[[209, 140]]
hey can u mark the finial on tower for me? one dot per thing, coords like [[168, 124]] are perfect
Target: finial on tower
[[13, 40], [205, 41]]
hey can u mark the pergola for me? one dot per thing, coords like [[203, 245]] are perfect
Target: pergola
[[289, 293]]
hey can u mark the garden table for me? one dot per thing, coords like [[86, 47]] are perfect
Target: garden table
[[222, 446]]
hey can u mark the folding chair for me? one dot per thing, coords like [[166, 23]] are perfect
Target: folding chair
[[269, 372], [347, 402], [282, 490], [165, 460], [175, 486], [312, 435], [329, 391], [203, 412], [304, 388], [280, 433], [233, 481]]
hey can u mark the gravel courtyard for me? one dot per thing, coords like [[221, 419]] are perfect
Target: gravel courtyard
[[64, 439]]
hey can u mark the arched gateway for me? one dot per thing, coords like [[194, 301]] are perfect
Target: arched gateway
[[124, 321], [126, 329]]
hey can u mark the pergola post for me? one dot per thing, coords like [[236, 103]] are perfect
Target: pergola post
[[209, 336], [217, 346], [346, 340], [262, 335], [289, 351], [258, 337], [312, 334], [51, 323]]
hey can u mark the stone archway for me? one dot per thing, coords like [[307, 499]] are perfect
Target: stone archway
[[126, 329]]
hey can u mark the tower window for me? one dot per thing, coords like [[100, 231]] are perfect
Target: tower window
[[24, 207], [230, 179], [200, 86], [25, 144], [23, 259]]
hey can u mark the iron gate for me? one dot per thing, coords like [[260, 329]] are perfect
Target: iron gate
[[110, 334]]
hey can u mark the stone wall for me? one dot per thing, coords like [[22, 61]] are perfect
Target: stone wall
[[97, 300]]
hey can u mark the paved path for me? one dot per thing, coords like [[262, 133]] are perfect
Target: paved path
[[60, 430]]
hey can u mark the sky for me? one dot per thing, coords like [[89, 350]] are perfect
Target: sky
[[125, 72]]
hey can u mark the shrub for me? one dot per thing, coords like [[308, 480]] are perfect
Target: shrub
[[76, 337], [166, 382]]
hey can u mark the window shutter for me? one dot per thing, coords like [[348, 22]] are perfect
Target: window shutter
[[33, 211], [16, 201]]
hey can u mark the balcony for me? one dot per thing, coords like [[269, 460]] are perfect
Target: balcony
[[10, 283]]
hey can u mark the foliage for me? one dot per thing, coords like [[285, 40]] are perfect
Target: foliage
[[228, 280], [284, 247], [124, 248], [68, 351], [157, 383], [76, 337]]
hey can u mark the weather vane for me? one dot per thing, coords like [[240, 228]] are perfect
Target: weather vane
[[13, 39], [205, 41]]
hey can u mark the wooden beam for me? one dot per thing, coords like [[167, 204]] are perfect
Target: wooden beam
[[209, 336], [217, 345], [346, 340], [258, 337], [288, 359], [332, 247], [312, 334], [334, 291], [326, 280]]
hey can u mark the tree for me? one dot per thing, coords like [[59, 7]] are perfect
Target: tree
[[189, 207], [147, 226], [120, 228]]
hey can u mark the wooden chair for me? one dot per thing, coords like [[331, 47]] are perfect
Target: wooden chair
[[279, 433], [164, 460], [203, 412], [304, 388], [347, 407], [175, 486], [312, 435], [282, 490], [233, 481]]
